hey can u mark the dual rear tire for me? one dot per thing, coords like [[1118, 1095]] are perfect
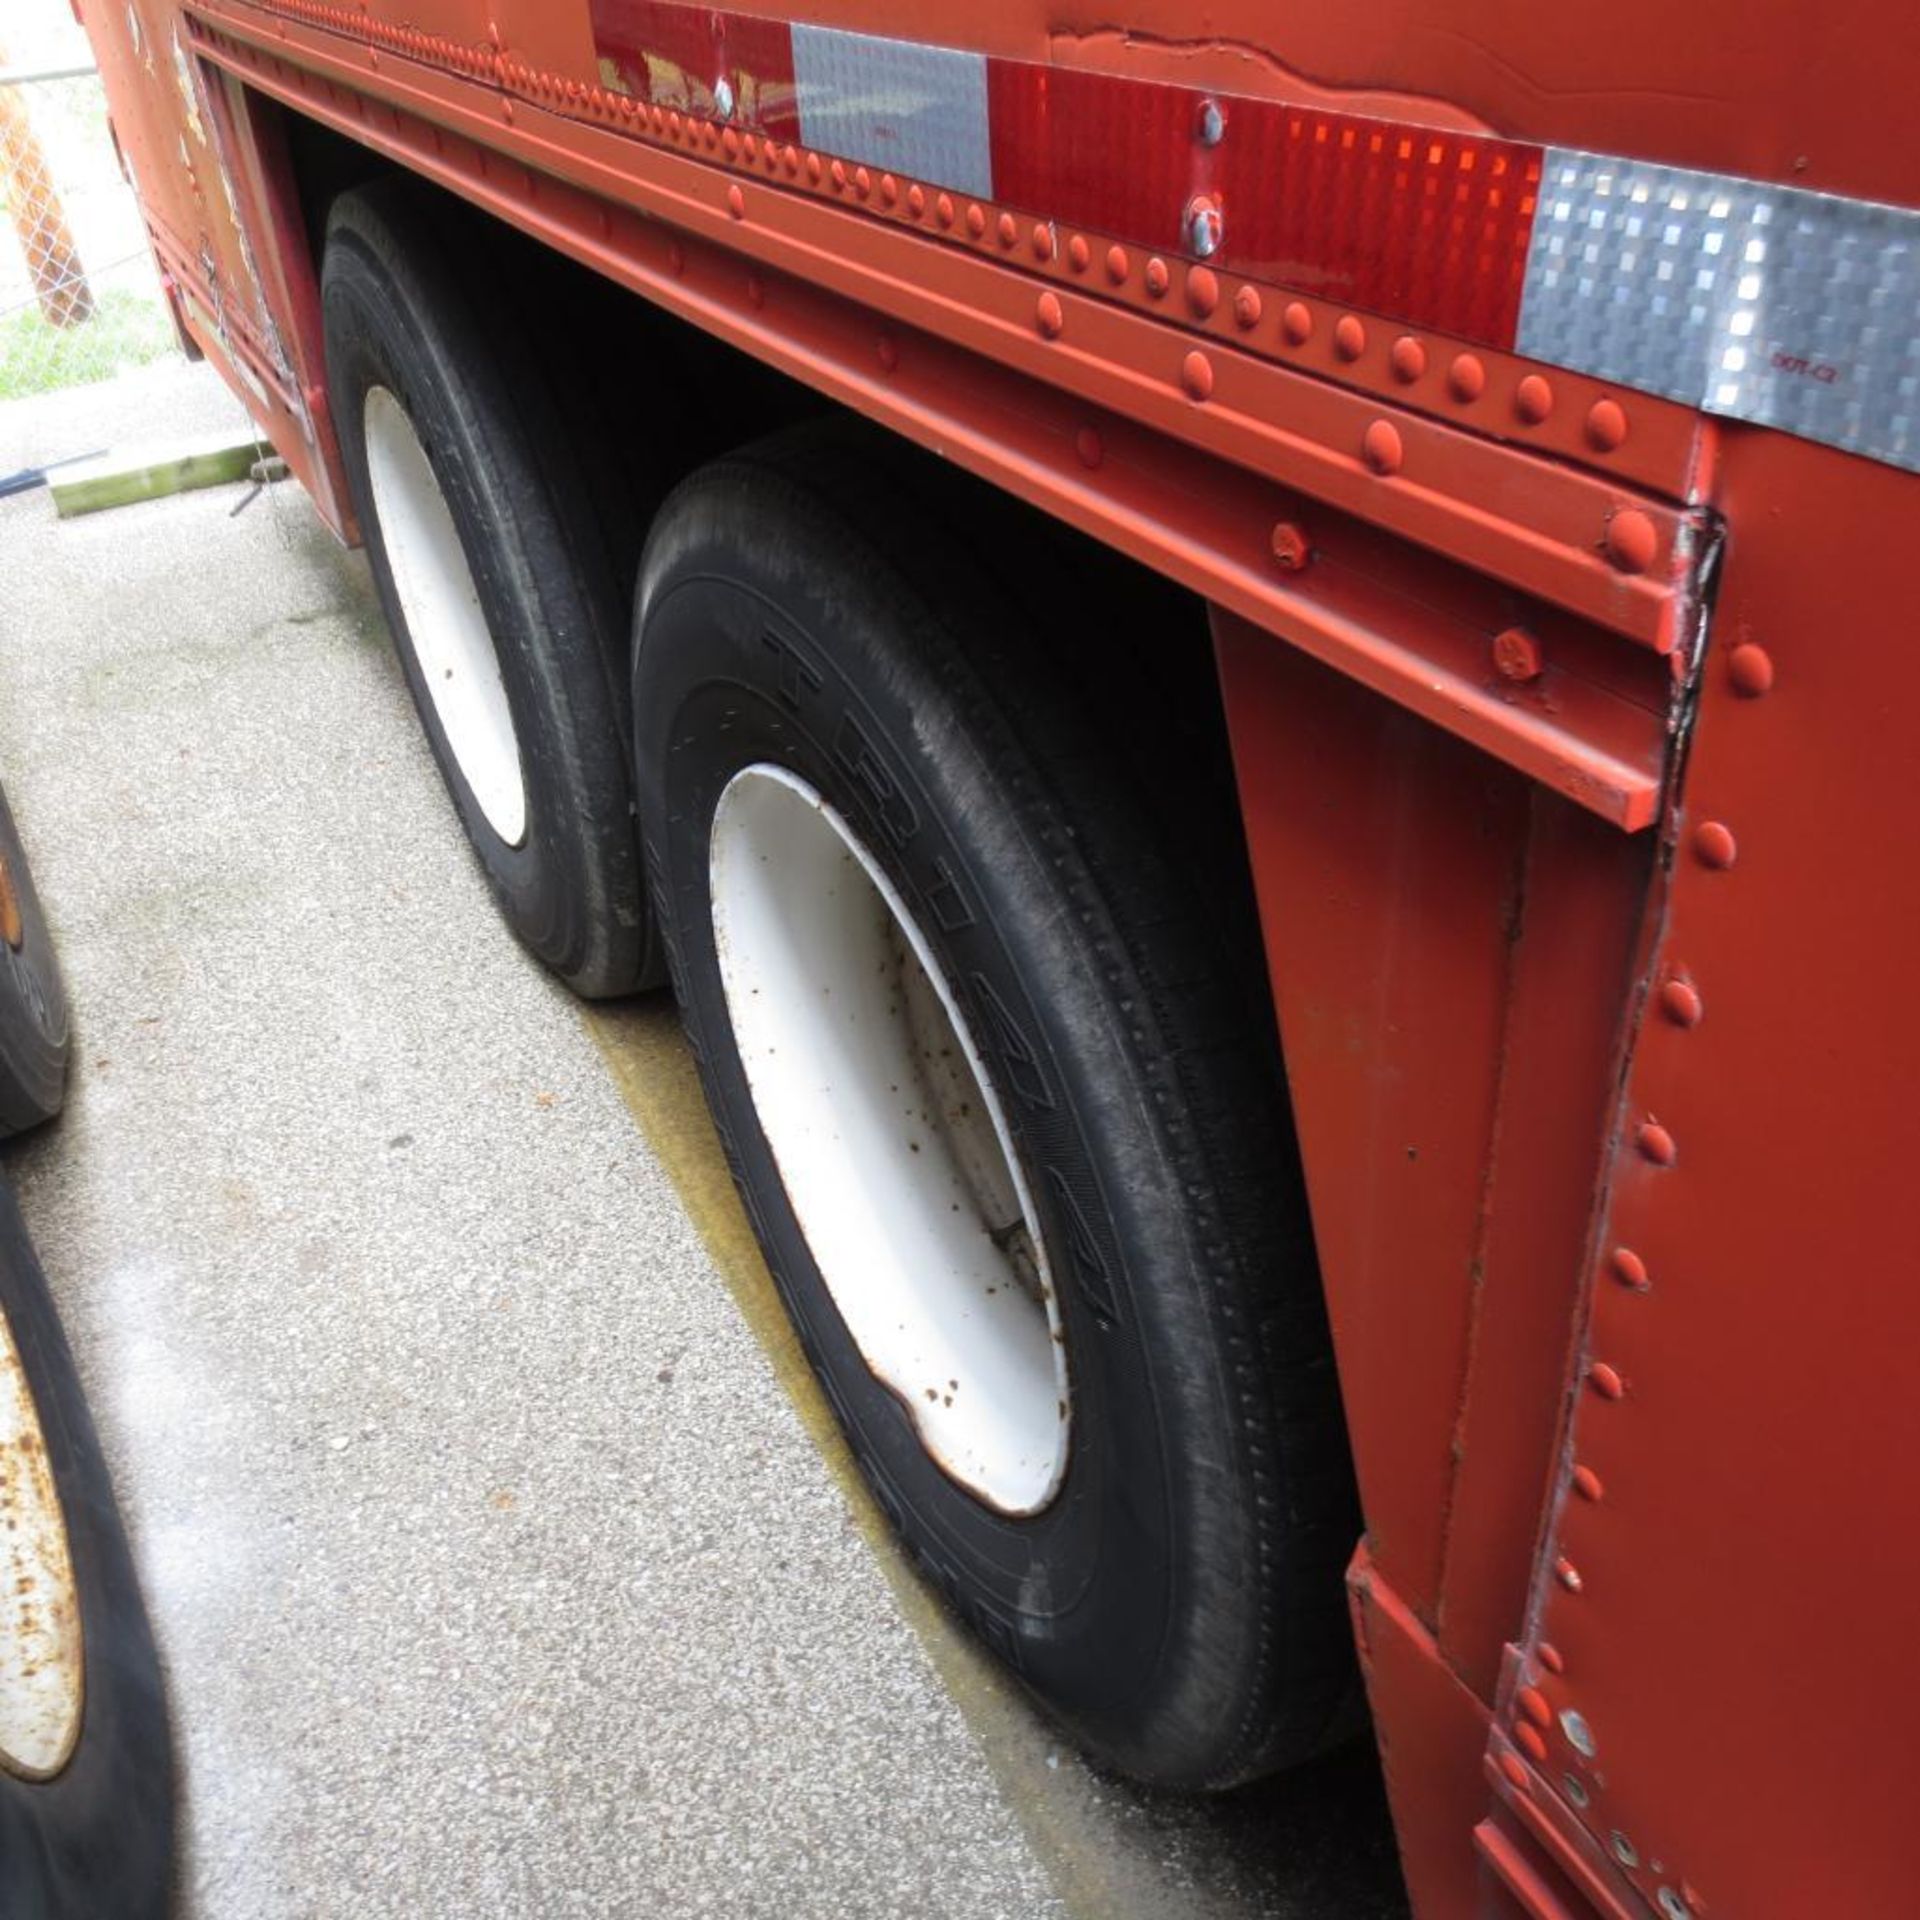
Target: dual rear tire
[[991, 1065]]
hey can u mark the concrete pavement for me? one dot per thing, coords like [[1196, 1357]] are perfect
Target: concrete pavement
[[502, 1556]]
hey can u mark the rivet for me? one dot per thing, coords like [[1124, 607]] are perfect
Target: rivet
[[1116, 264], [1750, 668], [1049, 317], [1623, 1849], [1568, 1575], [1714, 844], [1086, 443], [889, 189], [1212, 124], [1467, 377], [1655, 1143], [1606, 425], [736, 203], [1528, 1740], [1042, 241], [1196, 375], [1297, 322], [1516, 655], [887, 353], [1533, 399], [1680, 1002], [1632, 540], [710, 134], [1408, 359], [1690, 1899], [1203, 290], [976, 219], [1381, 446], [1588, 1485], [1158, 278], [750, 150], [1205, 226], [730, 144], [862, 182], [1079, 254], [814, 168], [916, 200], [1246, 307], [1008, 229], [1579, 1735], [1349, 337], [1606, 1381], [1533, 1703], [837, 173], [1550, 1658], [506, 111], [1630, 1270], [723, 98], [1516, 1773], [943, 209], [1290, 549]]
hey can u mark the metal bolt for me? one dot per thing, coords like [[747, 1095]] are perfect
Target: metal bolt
[[1575, 1789], [1750, 668], [1516, 655], [723, 97], [1579, 1735], [1291, 551], [1623, 1849], [1213, 123], [1680, 1001], [1672, 1905], [1632, 540], [1206, 226], [1714, 845]]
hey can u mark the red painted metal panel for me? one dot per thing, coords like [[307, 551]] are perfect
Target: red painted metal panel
[[1388, 862], [1725, 1591]]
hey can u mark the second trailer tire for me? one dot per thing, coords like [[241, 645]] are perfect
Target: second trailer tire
[[86, 1764], [1021, 1166], [496, 566], [34, 1039]]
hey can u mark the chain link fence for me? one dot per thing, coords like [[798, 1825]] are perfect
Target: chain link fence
[[80, 299]]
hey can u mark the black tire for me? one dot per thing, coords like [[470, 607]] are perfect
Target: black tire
[[33, 1003], [1178, 1604], [541, 512], [96, 1839]]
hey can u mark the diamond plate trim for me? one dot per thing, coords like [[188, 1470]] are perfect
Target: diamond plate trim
[[1760, 303], [916, 110]]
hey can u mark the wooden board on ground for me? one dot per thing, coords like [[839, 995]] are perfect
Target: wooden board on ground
[[148, 472]]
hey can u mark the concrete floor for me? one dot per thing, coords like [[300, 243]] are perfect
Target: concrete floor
[[502, 1556]]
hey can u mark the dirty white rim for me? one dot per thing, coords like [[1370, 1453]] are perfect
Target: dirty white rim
[[41, 1667], [891, 1143], [441, 607]]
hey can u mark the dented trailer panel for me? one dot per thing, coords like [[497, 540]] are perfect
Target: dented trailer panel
[[1532, 396]]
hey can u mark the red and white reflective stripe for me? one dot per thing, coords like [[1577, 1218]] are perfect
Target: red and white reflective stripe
[[1767, 304]]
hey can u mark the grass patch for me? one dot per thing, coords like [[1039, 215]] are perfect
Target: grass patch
[[128, 329]]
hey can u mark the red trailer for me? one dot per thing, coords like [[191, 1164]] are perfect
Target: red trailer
[[1499, 427]]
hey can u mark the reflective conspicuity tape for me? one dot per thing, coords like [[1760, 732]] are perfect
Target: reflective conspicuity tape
[[1759, 303], [1769, 304]]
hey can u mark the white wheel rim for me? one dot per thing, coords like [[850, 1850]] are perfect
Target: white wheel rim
[[41, 1665], [891, 1143], [441, 607]]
